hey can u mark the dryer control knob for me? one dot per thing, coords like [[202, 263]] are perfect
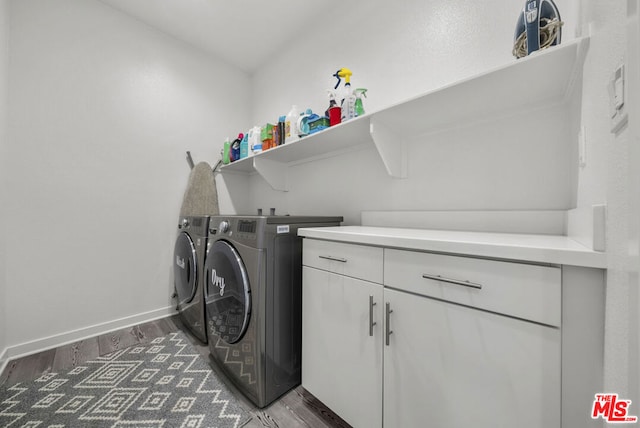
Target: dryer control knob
[[224, 226], [185, 224]]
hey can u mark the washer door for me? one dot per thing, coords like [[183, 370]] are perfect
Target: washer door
[[184, 271], [228, 293]]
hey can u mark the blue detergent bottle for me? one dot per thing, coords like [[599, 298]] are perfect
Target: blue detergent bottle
[[235, 148], [244, 146]]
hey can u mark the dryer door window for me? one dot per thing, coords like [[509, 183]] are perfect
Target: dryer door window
[[184, 268], [228, 293]]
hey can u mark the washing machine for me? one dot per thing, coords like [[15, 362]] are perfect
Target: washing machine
[[253, 298], [189, 255]]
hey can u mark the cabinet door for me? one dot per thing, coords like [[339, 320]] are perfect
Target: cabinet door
[[341, 362], [453, 366]]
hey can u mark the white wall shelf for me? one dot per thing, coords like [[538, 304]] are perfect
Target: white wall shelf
[[545, 78]]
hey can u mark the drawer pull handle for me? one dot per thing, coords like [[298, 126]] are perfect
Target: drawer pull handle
[[453, 281], [335, 259], [388, 331], [371, 321]]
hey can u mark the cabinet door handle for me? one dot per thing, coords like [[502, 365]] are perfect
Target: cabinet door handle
[[335, 259], [388, 331], [371, 321], [453, 281]]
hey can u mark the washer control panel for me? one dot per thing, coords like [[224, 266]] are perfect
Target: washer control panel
[[238, 228]]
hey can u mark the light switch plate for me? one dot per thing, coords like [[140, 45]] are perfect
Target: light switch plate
[[617, 110]]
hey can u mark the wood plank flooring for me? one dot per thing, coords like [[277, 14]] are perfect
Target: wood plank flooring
[[297, 408]]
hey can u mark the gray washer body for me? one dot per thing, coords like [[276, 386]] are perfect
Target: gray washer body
[[253, 299], [188, 264]]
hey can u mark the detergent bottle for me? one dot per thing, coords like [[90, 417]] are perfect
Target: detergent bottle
[[291, 124], [226, 152], [255, 144], [235, 148], [302, 124], [359, 93], [244, 146]]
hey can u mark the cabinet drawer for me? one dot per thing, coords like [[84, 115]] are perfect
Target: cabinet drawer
[[358, 261], [525, 291]]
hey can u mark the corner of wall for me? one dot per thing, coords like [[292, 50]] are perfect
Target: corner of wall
[[4, 61], [587, 225]]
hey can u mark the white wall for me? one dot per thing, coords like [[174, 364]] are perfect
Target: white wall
[[398, 51], [102, 111], [620, 153], [4, 72], [633, 247]]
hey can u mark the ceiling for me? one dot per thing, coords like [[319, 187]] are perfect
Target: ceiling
[[244, 33]]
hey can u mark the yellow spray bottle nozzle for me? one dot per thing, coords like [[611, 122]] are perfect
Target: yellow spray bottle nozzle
[[345, 74]]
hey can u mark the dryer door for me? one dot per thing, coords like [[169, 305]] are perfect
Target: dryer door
[[184, 271], [227, 293]]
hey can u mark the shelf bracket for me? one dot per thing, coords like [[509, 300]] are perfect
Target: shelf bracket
[[578, 66], [274, 173], [391, 147]]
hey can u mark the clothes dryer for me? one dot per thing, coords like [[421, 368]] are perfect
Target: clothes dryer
[[253, 298], [189, 254]]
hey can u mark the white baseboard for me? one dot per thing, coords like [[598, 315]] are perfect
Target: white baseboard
[[54, 341]]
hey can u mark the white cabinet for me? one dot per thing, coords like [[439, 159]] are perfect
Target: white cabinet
[[357, 261], [462, 350], [441, 353], [527, 291], [453, 366], [342, 329], [341, 357]]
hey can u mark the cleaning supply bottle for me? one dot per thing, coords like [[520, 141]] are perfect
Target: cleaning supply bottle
[[226, 152], [266, 136], [281, 130], [244, 146], [349, 101], [333, 112], [291, 125], [302, 124], [255, 144], [235, 148], [359, 93]]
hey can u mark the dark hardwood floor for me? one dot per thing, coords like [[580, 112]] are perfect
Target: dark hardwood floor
[[297, 408]]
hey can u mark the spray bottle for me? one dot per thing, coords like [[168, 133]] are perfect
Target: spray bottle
[[359, 93], [349, 100]]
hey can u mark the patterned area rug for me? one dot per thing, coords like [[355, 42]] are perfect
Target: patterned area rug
[[165, 383]]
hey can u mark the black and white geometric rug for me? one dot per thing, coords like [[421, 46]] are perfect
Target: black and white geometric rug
[[163, 384]]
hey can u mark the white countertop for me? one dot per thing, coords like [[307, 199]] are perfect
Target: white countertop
[[552, 249]]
